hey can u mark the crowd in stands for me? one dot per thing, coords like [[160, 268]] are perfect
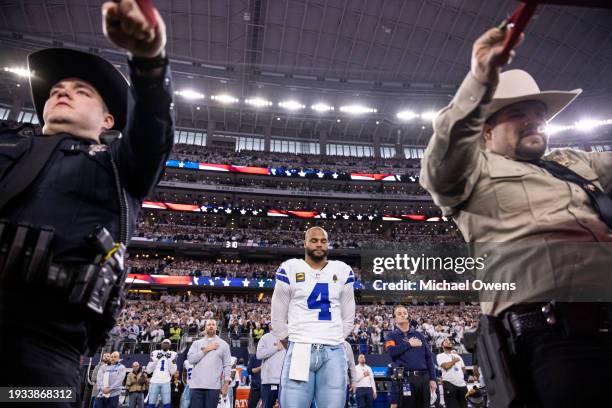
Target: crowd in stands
[[264, 203], [145, 264], [413, 232], [201, 267], [198, 177], [186, 152], [243, 320]]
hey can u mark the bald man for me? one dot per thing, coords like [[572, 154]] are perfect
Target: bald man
[[110, 382], [313, 307]]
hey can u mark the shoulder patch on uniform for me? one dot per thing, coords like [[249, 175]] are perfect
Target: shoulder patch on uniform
[[560, 156], [300, 277], [351, 277], [96, 148]]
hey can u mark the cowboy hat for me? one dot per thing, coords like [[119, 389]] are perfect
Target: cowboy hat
[[51, 65], [517, 85]]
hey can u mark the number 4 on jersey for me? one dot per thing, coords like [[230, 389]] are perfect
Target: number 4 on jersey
[[319, 299]]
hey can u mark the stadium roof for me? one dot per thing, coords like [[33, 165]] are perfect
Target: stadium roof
[[389, 55]]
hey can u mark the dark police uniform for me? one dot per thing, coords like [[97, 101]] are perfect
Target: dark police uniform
[[41, 333], [418, 367]]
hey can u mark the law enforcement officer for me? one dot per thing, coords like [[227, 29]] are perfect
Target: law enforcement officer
[[408, 349], [548, 210], [55, 300]]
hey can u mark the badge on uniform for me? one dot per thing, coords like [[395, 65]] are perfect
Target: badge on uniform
[[300, 277], [407, 389], [97, 148]]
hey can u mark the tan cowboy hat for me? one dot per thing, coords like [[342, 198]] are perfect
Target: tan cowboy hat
[[517, 85]]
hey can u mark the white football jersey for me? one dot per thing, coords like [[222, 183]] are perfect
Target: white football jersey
[[163, 365], [321, 302]]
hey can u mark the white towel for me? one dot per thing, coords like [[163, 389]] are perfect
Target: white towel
[[300, 362], [105, 383]]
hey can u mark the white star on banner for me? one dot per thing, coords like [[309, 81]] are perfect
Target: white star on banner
[[226, 282]]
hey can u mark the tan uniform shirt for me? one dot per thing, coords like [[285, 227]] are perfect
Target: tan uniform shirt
[[495, 199]]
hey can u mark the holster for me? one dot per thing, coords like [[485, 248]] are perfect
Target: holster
[[494, 358], [95, 289]]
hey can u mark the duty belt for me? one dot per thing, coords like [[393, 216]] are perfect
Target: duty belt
[[568, 319], [26, 258]]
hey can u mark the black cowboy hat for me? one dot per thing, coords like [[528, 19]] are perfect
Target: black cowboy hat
[[51, 65]]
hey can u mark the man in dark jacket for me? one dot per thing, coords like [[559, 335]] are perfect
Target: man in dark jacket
[[408, 348], [89, 178], [254, 370]]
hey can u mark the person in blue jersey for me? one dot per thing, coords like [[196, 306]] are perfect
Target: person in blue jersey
[[313, 309]]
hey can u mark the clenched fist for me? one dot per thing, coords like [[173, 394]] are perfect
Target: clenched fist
[[125, 25], [487, 58]]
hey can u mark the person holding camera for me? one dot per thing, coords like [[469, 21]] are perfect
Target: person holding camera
[[409, 350], [161, 367], [70, 197], [136, 384]]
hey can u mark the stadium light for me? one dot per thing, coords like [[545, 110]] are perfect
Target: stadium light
[[429, 115], [406, 115], [291, 105], [321, 107], [357, 109], [22, 72], [257, 102], [190, 94], [586, 124], [552, 129], [224, 98]]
